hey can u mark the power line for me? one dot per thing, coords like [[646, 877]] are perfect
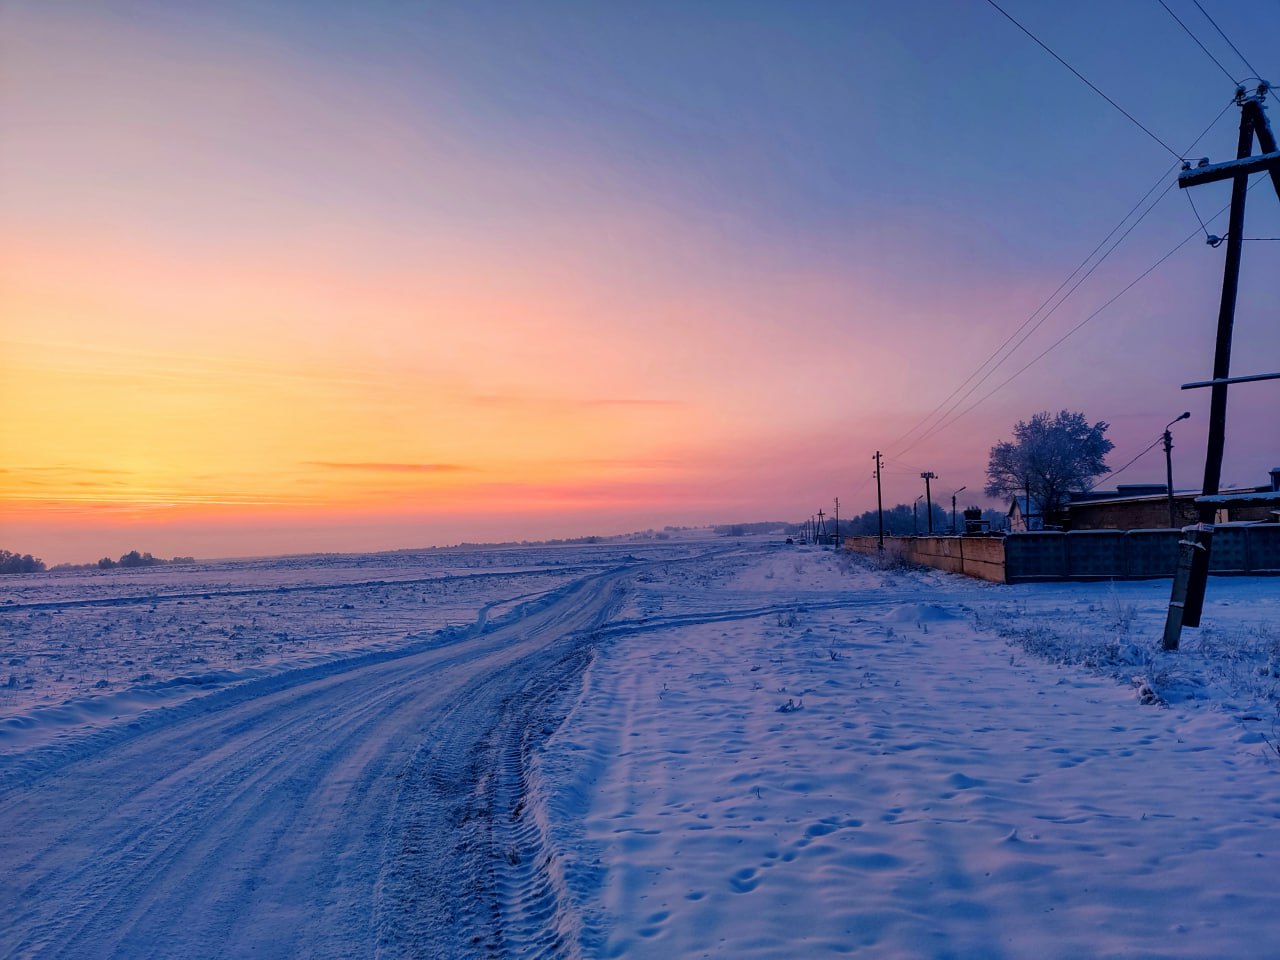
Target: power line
[[1023, 325], [1197, 40], [945, 420], [1039, 323], [1049, 299], [910, 466], [1086, 320], [1042, 45], [1115, 473], [999, 349], [1040, 356], [1226, 38], [1191, 201]]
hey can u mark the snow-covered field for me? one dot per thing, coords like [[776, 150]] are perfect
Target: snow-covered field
[[80, 645], [676, 749]]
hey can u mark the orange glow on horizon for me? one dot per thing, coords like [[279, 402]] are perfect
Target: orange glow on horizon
[[239, 288]]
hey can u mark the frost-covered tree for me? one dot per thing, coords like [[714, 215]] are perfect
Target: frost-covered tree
[[1050, 457], [20, 563]]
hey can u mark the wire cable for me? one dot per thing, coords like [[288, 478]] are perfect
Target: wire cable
[[1040, 356], [1115, 473], [1082, 323], [1251, 67], [1042, 45], [1048, 300], [1197, 40], [1192, 201], [1023, 339]]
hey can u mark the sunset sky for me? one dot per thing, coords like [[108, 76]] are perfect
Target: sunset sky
[[283, 277]]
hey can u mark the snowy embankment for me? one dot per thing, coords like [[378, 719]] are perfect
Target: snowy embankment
[[876, 763]]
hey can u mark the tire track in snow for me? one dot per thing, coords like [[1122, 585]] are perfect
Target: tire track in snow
[[621, 628], [259, 824], [146, 598]]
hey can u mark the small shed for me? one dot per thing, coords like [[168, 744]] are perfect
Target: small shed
[[1022, 519]]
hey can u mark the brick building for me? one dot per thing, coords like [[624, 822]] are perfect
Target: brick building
[[1146, 507]]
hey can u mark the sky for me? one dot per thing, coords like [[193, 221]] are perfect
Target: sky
[[313, 276]]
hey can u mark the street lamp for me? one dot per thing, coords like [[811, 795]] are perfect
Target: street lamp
[[953, 509], [1168, 465], [915, 516]]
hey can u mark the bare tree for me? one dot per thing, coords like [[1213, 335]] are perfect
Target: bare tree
[[1050, 457]]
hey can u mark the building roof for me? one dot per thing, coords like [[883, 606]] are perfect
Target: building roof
[[1109, 497]]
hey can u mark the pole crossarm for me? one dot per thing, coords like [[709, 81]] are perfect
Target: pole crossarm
[[1224, 381], [1213, 172], [1254, 118]]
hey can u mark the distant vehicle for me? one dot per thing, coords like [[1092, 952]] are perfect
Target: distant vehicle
[[790, 540]]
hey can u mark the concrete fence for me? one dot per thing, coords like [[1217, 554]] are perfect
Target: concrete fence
[[1083, 554], [981, 557]]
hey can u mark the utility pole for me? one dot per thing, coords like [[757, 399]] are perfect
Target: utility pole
[[926, 477], [822, 525], [1191, 578], [837, 523], [879, 500], [1168, 467]]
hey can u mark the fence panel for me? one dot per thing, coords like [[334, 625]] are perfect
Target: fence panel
[[1035, 556], [1230, 550], [1264, 548], [1095, 554], [1152, 553]]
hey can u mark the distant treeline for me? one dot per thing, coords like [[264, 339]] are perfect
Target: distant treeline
[[780, 527], [131, 559], [901, 521], [650, 534], [20, 563]]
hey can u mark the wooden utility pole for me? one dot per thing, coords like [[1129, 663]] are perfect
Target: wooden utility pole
[[1187, 600], [837, 522], [928, 497], [879, 501]]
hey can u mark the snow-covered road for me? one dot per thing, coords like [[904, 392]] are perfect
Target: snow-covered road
[[330, 811]]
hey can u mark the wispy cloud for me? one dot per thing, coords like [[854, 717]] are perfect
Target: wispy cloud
[[389, 467], [525, 400], [623, 463], [630, 402], [64, 476], [68, 469]]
